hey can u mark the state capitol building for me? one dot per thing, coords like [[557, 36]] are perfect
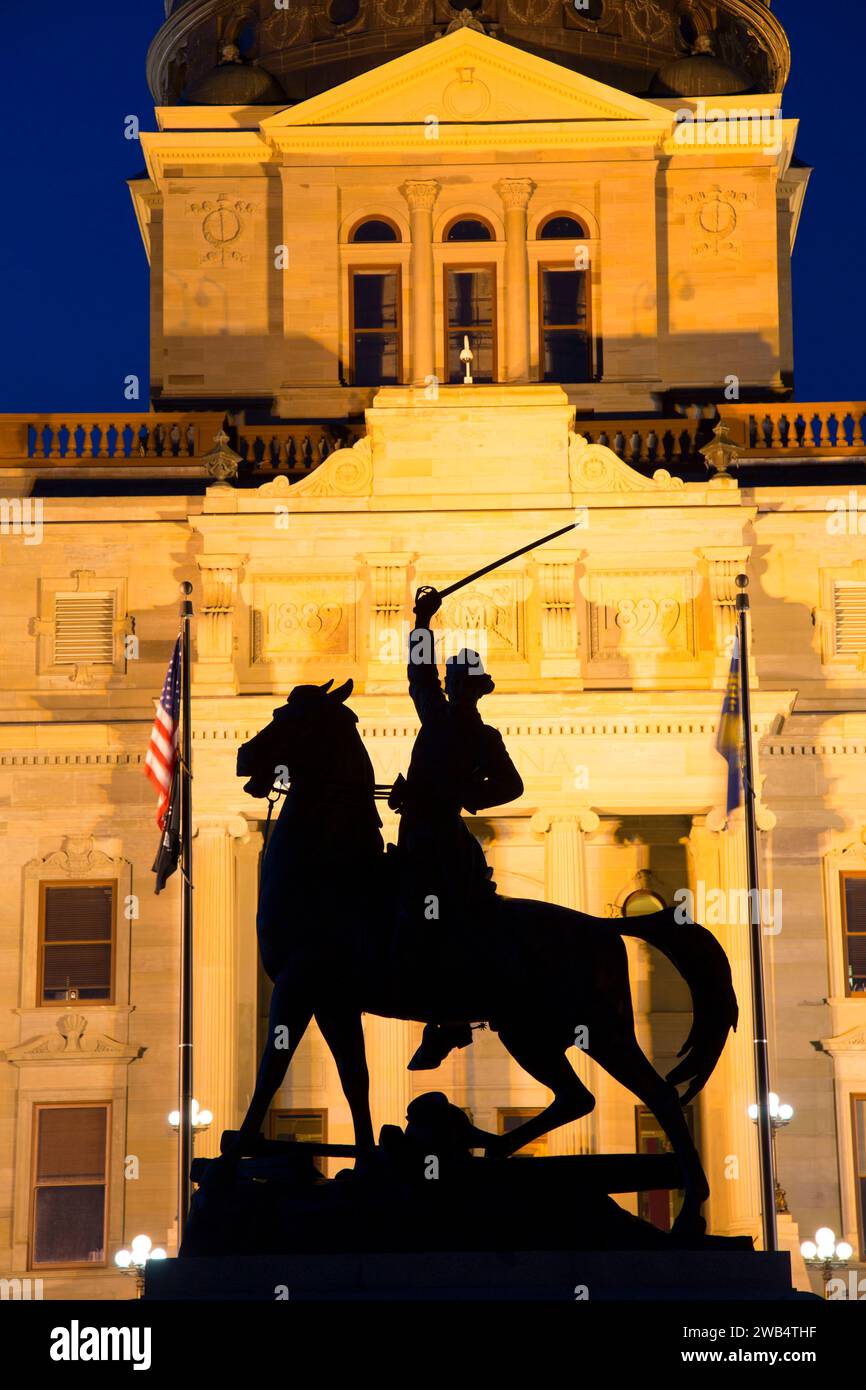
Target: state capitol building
[[428, 280]]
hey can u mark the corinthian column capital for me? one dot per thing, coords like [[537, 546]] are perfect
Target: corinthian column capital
[[420, 194], [516, 193]]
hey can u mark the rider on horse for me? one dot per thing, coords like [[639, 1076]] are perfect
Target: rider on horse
[[457, 762]]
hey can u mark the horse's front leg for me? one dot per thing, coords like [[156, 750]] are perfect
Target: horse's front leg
[[290, 1014], [344, 1035]]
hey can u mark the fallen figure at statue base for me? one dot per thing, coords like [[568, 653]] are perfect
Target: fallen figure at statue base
[[423, 1188]]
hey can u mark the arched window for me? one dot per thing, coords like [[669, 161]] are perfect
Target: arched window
[[374, 229], [561, 226], [469, 229]]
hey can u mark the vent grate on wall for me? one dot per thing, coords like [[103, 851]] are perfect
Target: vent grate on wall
[[83, 626], [850, 618]]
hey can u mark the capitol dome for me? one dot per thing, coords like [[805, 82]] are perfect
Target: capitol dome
[[295, 51]]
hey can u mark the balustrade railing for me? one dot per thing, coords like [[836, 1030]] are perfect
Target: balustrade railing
[[660, 443], [113, 439], [293, 449], [837, 427], [107, 438]]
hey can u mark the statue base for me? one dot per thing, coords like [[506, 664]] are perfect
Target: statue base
[[717, 1275], [418, 1227]]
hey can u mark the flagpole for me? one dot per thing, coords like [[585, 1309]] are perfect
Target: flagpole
[[184, 1192], [759, 1010]]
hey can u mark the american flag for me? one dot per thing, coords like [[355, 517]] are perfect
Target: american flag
[[162, 749], [729, 736]]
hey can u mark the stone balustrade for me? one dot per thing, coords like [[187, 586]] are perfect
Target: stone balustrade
[[107, 438], [807, 429], [293, 449], [110, 440], [652, 440]]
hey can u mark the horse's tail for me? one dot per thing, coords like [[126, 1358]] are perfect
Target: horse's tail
[[700, 959]]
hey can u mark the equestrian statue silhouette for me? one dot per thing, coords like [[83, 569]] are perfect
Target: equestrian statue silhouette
[[421, 933]]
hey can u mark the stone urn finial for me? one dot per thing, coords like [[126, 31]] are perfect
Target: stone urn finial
[[721, 453], [222, 462]]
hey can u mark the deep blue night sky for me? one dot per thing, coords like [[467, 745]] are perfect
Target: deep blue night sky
[[74, 272]]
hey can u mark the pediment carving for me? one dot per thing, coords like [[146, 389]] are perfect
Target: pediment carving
[[595, 468], [78, 859], [70, 1041], [344, 473], [521, 85]]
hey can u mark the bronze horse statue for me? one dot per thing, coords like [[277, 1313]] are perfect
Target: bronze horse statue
[[335, 944]]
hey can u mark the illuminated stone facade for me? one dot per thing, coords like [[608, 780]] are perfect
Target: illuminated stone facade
[[610, 648]]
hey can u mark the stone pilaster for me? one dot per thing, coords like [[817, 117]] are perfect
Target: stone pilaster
[[557, 597], [215, 1039], [515, 195], [565, 883], [390, 1043], [214, 628], [717, 860], [421, 195], [724, 563], [390, 609], [247, 853]]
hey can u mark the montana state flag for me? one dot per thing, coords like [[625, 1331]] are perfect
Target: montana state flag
[[729, 736]]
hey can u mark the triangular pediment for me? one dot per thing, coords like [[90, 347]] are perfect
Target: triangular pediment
[[466, 78], [853, 1040]]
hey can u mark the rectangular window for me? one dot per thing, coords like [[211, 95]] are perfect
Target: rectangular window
[[70, 1191], [304, 1126], [509, 1118], [470, 316], [565, 336], [858, 1121], [853, 890], [376, 326], [76, 941], [660, 1206]]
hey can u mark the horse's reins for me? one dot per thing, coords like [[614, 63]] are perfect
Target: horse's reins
[[381, 792]]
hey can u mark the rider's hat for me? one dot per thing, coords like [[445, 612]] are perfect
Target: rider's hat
[[466, 671]]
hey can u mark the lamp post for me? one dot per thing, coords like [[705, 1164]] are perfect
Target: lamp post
[[826, 1253], [780, 1115], [200, 1119], [133, 1261]]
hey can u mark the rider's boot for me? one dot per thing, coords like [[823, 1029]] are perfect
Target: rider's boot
[[437, 1041]]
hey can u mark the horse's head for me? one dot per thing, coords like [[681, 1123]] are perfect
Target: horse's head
[[300, 737]]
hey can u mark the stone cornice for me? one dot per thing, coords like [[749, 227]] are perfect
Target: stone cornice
[[70, 1043], [853, 1040]]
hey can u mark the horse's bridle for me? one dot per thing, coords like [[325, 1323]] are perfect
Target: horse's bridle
[[381, 792]]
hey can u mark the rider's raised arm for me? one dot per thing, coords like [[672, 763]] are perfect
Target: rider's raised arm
[[425, 686]]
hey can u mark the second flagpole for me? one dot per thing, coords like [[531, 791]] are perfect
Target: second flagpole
[[759, 1007], [184, 1188]]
